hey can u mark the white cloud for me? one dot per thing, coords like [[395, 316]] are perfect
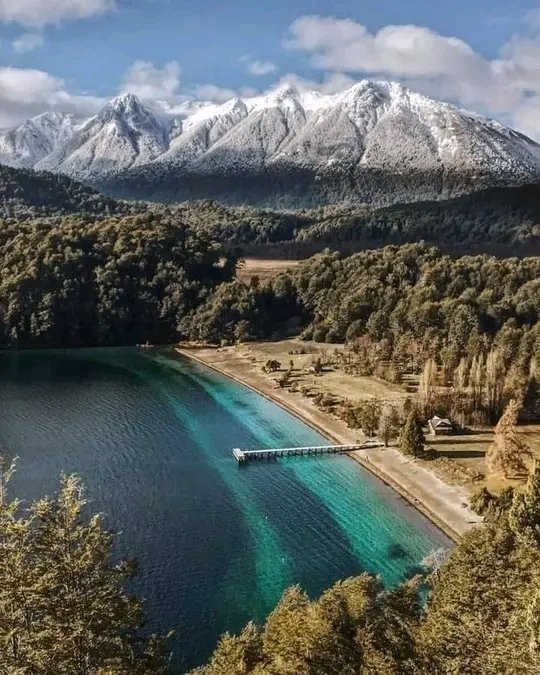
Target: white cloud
[[153, 83], [261, 67], [28, 92], [39, 13], [27, 42], [212, 92], [330, 84], [441, 66]]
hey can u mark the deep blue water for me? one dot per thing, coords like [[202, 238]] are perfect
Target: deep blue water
[[151, 435]]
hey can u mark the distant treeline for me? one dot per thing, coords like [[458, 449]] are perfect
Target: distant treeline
[[26, 194], [414, 291], [499, 220]]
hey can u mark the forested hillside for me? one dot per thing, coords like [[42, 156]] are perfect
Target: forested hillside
[[414, 290], [26, 194], [120, 281], [498, 220], [495, 220]]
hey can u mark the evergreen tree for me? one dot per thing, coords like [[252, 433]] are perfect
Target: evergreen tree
[[533, 624], [524, 514], [505, 455], [412, 439], [388, 423], [63, 608], [477, 616], [238, 654]]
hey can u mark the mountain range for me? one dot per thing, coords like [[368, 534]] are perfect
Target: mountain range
[[376, 143]]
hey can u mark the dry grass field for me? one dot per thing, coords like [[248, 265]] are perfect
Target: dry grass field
[[263, 268], [461, 458], [332, 381]]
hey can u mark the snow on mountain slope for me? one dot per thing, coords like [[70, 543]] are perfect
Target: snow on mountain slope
[[23, 146], [363, 144], [200, 131], [124, 134]]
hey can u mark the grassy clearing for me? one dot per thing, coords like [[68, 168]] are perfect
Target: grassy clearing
[[264, 268], [332, 381], [461, 458]]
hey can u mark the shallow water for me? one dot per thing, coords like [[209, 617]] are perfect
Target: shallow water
[[151, 435]]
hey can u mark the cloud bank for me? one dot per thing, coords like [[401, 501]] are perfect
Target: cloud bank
[[441, 66], [39, 13], [341, 50]]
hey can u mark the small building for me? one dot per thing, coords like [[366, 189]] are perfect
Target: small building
[[440, 426]]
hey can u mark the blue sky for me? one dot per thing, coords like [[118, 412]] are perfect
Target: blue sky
[[74, 54]]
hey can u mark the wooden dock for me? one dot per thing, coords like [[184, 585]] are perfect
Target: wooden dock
[[243, 456]]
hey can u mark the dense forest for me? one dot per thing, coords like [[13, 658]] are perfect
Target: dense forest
[[449, 306], [120, 281], [27, 194], [500, 220]]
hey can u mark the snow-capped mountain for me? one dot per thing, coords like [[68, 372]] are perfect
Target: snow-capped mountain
[[124, 134], [26, 145], [376, 142]]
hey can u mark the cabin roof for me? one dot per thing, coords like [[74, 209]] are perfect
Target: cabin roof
[[436, 422]]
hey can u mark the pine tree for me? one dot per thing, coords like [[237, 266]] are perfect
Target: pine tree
[[505, 455], [237, 654], [412, 439], [533, 624], [63, 608], [524, 514], [388, 423]]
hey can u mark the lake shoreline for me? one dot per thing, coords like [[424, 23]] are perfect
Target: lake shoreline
[[442, 504]]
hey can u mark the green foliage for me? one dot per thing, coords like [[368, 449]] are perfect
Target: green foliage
[[389, 422], [29, 194], [354, 627], [500, 218], [63, 608], [364, 416], [476, 618], [492, 507], [236, 654], [411, 438], [122, 281], [524, 514]]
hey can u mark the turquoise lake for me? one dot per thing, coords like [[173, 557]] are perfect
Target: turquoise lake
[[151, 435]]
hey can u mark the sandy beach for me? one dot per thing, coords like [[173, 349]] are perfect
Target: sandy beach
[[445, 505]]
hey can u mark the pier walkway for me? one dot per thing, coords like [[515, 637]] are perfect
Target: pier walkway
[[243, 456]]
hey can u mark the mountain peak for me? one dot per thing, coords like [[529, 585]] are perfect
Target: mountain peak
[[124, 103], [342, 143]]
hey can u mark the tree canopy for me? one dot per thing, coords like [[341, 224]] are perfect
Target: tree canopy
[[63, 605]]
